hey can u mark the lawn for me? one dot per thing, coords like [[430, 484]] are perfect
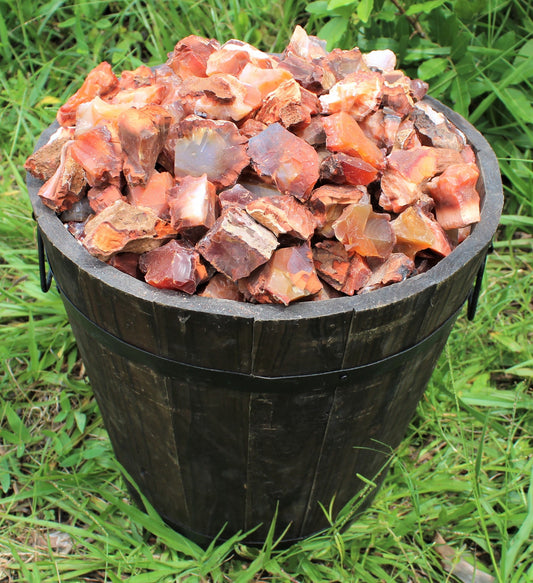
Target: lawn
[[457, 504]]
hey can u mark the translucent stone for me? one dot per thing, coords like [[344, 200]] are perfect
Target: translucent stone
[[288, 276], [289, 161], [455, 195], [176, 265], [99, 154], [154, 195], [190, 55], [396, 268], [127, 263], [100, 82], [362, 230], [343, 169], [192, 205], [100, 197], [416, 231], [142, 134], [68, 183], [343, 134], [214, 148], [306, 46], [220, 287]]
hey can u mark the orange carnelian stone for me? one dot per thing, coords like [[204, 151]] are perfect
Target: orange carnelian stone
[[362, 230], [100, 82], [455, 195], [154, 195], [416, 231], [289, 161], [176, 265], [288, 276], [343, 134]]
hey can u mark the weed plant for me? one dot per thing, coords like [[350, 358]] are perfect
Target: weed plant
[[463, 473]]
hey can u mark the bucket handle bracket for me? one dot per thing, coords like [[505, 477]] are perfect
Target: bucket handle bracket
[[45, 277], [473, 296]]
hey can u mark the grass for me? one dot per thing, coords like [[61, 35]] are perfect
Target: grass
[[464, 469]]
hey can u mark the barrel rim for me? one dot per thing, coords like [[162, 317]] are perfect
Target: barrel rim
[[53, 229]]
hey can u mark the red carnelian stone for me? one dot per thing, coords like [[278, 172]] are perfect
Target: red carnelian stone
[[236, 244], [220, 287], [289, 161], [283, 215], [345, 272], [192, 205], [288, 276], [394, 269], [100, 156], [175, 265], [100, 197], [455, 195], [362, 230]]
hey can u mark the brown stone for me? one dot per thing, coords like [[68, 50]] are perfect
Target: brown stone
[[236, 244], [44, 162], [68, 183], [345, 272], [283, 215], [122, 227]]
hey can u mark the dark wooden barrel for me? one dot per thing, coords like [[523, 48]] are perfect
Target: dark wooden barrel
[[223, 411]]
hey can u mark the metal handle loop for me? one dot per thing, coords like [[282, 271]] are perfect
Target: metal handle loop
[[473, 296], [46, 278]]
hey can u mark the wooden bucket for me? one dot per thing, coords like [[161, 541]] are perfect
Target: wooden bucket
[[224, 411]]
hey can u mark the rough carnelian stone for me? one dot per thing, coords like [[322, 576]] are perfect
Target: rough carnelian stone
[[455, 195], [289, 161], [175, 265], [343, 134], [288, 276]]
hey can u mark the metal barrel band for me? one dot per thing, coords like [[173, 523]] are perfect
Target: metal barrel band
[[248, 381]]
